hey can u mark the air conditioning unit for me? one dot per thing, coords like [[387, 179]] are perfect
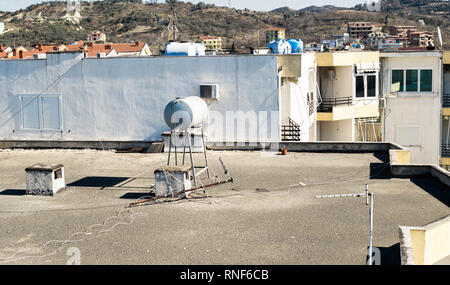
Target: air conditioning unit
[[209, 91], [382, 103]]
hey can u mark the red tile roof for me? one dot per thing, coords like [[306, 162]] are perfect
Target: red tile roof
[[276, 29], [90, 48]]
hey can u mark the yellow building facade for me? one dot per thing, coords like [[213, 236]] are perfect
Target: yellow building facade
[[212, 43], [273, 34]]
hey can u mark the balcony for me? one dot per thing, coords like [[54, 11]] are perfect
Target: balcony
[[345, 108], [328, 104], [445, 150], [446, 101]]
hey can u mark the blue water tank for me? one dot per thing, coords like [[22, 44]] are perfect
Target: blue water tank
[[280, 47], [296, 45]]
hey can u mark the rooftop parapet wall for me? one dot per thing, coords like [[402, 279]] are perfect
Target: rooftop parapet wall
[[425, 245], [347, 58], [399, 158], [446, 55], [290, 65]]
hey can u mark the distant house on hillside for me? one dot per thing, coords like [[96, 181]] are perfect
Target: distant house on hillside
[[374, 5], [212, 43], [273, 34], [91, 49], [96, 36]]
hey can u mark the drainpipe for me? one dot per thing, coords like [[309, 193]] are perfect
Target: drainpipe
[[280, 69], [441, 99]]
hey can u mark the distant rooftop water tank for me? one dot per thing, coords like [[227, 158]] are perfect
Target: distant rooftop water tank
[[185, 113], [280, 47], [296, 45], [199, 49], [180, 49]]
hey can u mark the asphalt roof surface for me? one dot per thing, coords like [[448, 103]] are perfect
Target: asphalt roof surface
[[269, 215]]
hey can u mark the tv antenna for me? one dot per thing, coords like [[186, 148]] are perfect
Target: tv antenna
[[172, 29], [369, 202]]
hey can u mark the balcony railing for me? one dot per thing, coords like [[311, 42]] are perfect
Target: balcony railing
[[445, 152], [328, 103], [446, 101], [290, 132]]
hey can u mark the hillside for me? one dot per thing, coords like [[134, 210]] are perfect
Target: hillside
[[123, 21]]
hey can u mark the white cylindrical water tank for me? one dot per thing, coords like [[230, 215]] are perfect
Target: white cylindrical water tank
[[180, 49], [185, 113], [199, 49]]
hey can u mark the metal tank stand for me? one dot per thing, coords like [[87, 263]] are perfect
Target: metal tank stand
[[187, 144]]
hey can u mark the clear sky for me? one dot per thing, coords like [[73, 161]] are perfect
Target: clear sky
[[12, 5]]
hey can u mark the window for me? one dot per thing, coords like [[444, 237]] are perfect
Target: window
[[397, 80], [426, 80], [366, 85], [360, 86], [41, 112], [30, 113], [50, 113], [412, 80], [371, 86]]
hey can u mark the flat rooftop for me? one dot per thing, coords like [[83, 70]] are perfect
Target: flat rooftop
[[269, 215]]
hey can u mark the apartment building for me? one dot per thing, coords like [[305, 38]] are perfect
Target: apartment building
[[212, 43], [348, 84], [402, 31], [360, 30], [274, 34], [411, 88], [421, 39], [338, 96], [96, 36]]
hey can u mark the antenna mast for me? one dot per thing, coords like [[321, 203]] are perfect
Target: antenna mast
[[172, 25]]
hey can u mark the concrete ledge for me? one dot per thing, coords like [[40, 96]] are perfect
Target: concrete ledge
[[41, 144], [414, 170], [406, 248], [425, 245], [354, 147]]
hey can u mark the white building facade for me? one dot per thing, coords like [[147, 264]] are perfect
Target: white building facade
[[412, 90], [374, 5], [66, 97]]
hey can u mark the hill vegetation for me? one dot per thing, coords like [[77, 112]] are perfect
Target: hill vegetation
[[129, 20]]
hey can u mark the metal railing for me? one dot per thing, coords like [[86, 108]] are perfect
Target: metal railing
[[445, 150], [446, 101], [328, 103], [290, 132], [312, 107]]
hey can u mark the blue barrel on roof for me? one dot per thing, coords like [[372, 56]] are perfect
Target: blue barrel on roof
[[296, 45], [280, 47]]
